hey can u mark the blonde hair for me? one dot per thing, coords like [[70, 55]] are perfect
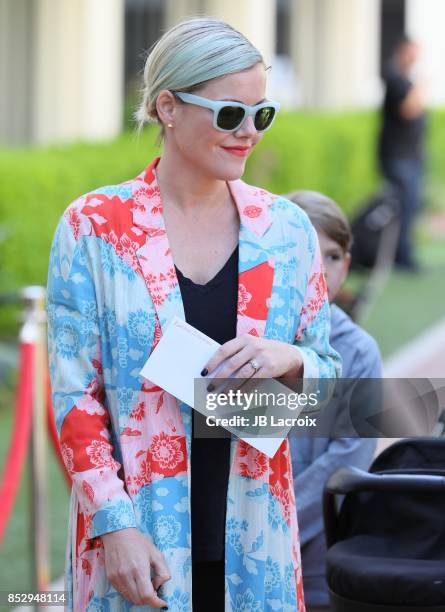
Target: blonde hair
[[325, 214], [188, 55]]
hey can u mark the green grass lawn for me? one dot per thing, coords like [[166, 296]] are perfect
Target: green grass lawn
[[411, 303], [15, 565]]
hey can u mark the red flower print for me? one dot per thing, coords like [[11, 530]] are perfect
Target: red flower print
[[138, 413], [171, 276], [110, 238], [166, 451], [252, 211], [86, 566], [253, 332], [127, 431], [88, 490], [316, 294], [100, 455], [67, 454], [256, 462], [88, 525], [317, 285], [244, 298], [142, 197], [143, 477], [127, 250], [158, 333], [74, 221], [151, 278], [159, 402], [158, 299]]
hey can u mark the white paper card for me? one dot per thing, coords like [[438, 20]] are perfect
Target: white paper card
[[178, 359]]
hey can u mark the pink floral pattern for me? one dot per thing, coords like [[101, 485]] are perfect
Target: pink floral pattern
[[118, 415], [99, 454], [166, 451]]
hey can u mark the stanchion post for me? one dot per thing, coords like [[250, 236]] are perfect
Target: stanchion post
[[34, 332]]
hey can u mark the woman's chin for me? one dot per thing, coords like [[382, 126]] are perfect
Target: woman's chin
[[233, 170]]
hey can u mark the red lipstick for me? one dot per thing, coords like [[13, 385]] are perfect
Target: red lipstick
[[238, 151]]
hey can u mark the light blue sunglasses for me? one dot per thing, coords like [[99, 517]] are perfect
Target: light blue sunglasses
[[228, 115]]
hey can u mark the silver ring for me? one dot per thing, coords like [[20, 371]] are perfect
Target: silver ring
[[255, 365]]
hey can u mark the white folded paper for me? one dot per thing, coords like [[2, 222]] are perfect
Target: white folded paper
[[179, 357]]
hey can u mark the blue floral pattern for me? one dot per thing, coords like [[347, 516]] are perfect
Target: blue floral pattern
[[166, 531], [141, 325], [246, 602], [67, 341], [272, 576], [111, 291], [178, 602]]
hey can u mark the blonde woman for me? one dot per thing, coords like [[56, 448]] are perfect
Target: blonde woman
[[159, 519]]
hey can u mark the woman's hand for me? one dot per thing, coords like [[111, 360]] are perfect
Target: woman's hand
[[252, 357], [129, 559]]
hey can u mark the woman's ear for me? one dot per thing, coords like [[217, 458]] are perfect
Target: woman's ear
[[166, 107]]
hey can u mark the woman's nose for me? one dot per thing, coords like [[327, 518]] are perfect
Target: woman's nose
[[247, 128]]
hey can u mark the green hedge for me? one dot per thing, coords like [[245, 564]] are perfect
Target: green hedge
[[333, 153]]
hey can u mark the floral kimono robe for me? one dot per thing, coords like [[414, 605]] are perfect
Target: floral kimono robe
[[112, 290]]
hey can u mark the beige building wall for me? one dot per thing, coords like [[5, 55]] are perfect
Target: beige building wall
[[424, 22], [61, 61], [63, 74], [335, 48], [254, 18], [15, 56]]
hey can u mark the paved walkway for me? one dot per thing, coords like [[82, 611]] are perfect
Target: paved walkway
[[423, 357]]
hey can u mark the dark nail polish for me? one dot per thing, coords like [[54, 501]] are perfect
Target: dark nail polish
[[204, 372], [164, 608], [210, 387]]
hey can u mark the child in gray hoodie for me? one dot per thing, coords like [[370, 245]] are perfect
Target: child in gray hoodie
[[314, 460]]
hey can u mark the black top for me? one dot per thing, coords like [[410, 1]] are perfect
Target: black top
[[399, 137], [212, 309]]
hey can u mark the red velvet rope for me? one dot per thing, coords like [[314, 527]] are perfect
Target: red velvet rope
[[18, 448]]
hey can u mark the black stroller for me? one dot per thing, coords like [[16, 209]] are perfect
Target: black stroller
[[386, 545]]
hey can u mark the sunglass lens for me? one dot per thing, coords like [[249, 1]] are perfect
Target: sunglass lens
[[230, 117], [264, 118]]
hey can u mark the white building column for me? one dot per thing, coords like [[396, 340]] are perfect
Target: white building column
[[15, 56], [335, 47], [78, 72], [424, 23], [71, 85], [253, 18]]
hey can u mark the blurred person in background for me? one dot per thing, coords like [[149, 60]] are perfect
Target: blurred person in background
[[158, 517], [315, 459], [401, 141]]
